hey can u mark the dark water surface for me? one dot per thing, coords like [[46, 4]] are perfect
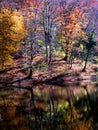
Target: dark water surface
[[49, 108]]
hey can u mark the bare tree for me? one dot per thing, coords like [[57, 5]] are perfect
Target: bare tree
[[30, 42]]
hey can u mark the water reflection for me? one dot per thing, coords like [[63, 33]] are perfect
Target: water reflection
[[49, 108]]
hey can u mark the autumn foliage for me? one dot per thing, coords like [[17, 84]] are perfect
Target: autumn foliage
[[11, 33], [47, 25]]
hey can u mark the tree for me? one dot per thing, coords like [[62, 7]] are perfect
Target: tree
[[30, 44], [47, 25], [89, 26], [89, 43], [11, 32], [71, 26]]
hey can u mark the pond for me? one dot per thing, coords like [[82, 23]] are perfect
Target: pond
[[48, 107]]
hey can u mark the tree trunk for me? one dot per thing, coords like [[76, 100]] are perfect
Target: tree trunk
[[86, 60], [66, 55], [50, 50], [30, 73], [31, 58], [46, 45], [66, 51]]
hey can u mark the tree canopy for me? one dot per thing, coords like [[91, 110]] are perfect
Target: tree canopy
[[11, 31]]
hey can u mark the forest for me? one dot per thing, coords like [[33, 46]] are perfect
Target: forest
[[48, 64]]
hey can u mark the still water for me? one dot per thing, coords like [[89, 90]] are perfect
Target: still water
[[49, 107]]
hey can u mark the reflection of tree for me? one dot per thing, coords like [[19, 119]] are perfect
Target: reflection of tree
[[70, 114], [92, 105], [52, 111]]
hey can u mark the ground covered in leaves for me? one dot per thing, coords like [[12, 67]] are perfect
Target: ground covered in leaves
[[59, 73]]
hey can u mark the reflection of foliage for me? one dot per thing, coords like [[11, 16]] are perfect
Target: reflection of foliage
[[12, 118], [68, 114]]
